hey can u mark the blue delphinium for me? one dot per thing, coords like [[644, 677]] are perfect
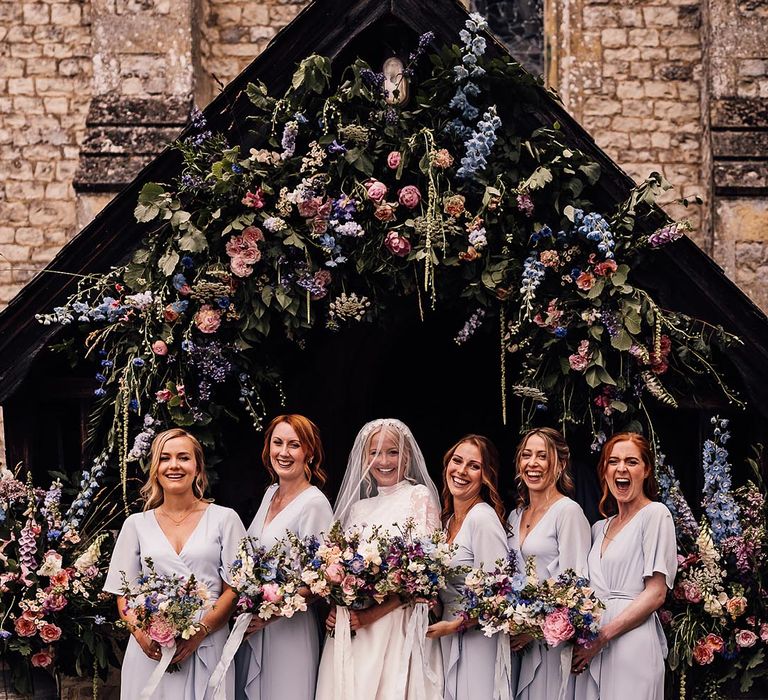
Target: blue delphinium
[[595, 228], [533, 274], [143, 440], [672, 497], [719, 504], [473, 48], [479, 145], [89, 484]]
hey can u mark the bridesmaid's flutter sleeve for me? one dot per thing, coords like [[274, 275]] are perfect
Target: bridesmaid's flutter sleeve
[[126, 557], [574, 539], [316, 517], [489, 541], [231, 532], [659, 543]]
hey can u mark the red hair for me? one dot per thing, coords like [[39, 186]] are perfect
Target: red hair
[[608, 504], [309, 437], [489, 491]]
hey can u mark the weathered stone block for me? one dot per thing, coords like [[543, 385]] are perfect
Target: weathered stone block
[[732, 176], [630, 17], [15, 253], [600, 17], [629, 89], [656, 90], [753, 67], [675, 71], [36, 13], [29, 237], [613, 38], [660, 16], [739, 112], [21, 86], [66, 14], [644, 37], [12, 67], [680, 37]]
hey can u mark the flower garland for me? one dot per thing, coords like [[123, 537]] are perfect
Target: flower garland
[[345, 199]]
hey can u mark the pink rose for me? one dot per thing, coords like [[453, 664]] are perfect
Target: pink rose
[[308, 208], [25, 627], [170, 314], [50, 632], [159, 348], [271, 592], [746, 638], [578, 363], [60, 578], [605, 269], [454, 205], [703, 654], [665, 616], [692, 592], [208, 319], [252, 235], [163, 395], [319, 225], [348, 584], [714, 641], [736, 606], [397, 244], [393, 159], [585, 281], [557, 627], [254, 200], [409, 196], [42, 659], [764, 631], [385, 211], [334, 573], [376, 190], [240, 268], [161, 631]]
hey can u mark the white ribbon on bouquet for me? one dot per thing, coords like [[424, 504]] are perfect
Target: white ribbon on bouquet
[[166, 654], [216, 683], [414, 650], [343, 661], [502, 677]]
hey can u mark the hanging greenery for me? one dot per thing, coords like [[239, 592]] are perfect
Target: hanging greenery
[[349, 199]]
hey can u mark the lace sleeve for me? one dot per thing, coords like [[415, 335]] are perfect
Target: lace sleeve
[[424, 510]]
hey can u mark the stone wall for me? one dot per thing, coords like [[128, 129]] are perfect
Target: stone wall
[[631, 73], [45, 89]]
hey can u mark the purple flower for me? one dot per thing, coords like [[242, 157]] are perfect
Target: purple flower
[[100, 392]]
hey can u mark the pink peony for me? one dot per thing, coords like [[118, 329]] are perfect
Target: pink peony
[[605, 269], [376, 190], [692, 592], [703, 654], [163, 395], [42, 659], [50, 632], [393, 159], [397, 244], [578, 363], [764, 631], [208, 319], [557, 627], [309, 207], [746, 638], [409, 196], [348, 584], [334, 573], [252, 236], [159, 348], [25, 627], [161, 631], [60, 578], [271, 592]]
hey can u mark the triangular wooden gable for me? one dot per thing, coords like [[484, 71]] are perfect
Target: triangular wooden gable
[[685, 278]]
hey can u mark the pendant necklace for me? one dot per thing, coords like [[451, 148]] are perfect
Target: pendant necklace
[[178, 522]]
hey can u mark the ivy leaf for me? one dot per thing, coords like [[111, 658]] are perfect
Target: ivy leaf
[[591, 171], [140, 256], [597, 289], [151, 199], [266, 295], [619, 277], [622, 340], [592, 377], [168, 262], [295, 241], [538, 179], [283, 299]]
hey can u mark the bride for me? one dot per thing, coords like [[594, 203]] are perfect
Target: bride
[[388, 658]]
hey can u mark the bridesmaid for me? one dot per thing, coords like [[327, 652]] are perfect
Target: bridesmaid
[[473, 515], [552, 529], [184, 534], [280, 657], [632, 563]]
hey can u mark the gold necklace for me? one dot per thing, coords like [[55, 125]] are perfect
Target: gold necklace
[[187, 513], [531, 512]]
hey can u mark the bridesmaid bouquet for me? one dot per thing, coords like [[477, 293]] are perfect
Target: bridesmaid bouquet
[[556, 610], [344, 566], [166, 607], [265, 581], [417, 567]]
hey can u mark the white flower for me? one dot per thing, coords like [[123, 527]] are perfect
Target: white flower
[[369, 551]]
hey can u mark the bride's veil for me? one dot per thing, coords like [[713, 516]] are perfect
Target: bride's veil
[[358, 481]]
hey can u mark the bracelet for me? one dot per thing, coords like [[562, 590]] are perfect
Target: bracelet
[[206, 628]]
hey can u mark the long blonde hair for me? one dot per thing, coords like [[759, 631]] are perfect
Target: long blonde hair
[[152, 492], [558, 458]]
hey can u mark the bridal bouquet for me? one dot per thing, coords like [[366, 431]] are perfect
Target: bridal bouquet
[[166, 607], [344, 566], [557, 610], [265, 581], [417, 566]]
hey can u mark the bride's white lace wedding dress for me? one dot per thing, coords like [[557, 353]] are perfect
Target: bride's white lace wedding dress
[[387, 662]]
